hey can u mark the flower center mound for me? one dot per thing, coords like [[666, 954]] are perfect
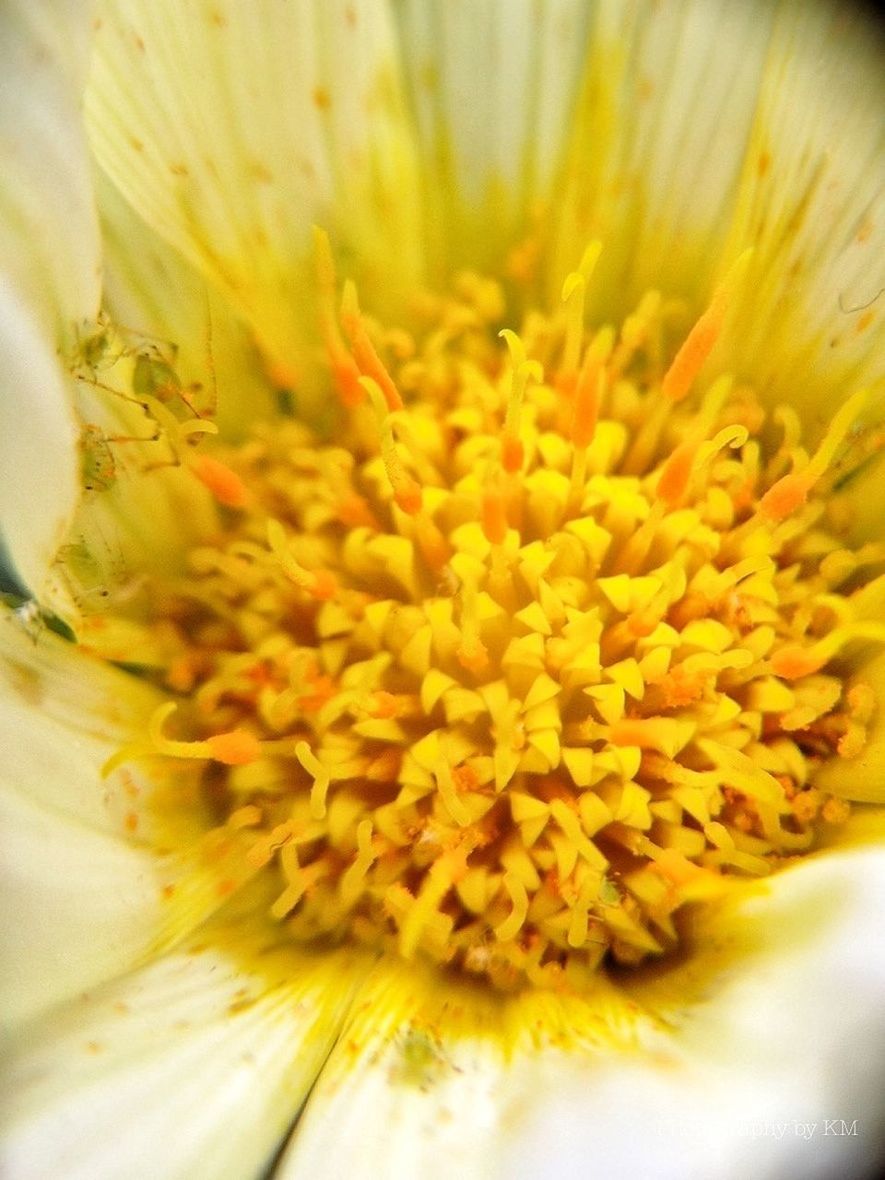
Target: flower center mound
[[546, 646]]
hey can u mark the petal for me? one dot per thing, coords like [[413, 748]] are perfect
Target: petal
[[79, 903], [166, 305], [707, 128], [39, 464], [811, 200], [84, 890], [759, 1057], [411, 1088], [657, 145], [232, 128], [192, 1066], [48, 229], [492, 87], [49, 271]]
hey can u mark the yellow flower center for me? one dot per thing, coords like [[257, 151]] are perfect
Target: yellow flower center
[[544, 648]]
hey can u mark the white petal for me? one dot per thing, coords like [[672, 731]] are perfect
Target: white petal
[[49, 271], [492, 86], [162, 300], [77, 906], [705, 128], [657, 144], [811, 200], [48, 229], [84, 894], [39, 464], [192, 1066], [231, 128], [411, 1088], [745, 1071]]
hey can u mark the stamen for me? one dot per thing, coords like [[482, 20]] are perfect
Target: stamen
[[235, 748], [406, 490], [526, 664], [791, 491], [367, 359], [690, 358], [321, 779], [320, 584], [224, 484], [523, 370], [343, 366], [574, 291]]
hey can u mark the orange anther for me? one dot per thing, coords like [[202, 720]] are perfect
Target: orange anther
[[586, 408], [224, 483], [512, 453], [690, 358], [367, 359], [698, 345], [236, 748], [324, 689], [465, 778], [435, 549], [384, 705], [792, 663], [347, 380], [473, 656], [324, 585], [674, 478], [354, 511], [407, 493], [494, 517], [785, 496]]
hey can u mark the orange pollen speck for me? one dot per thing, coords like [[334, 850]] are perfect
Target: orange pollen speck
[[524, 660]]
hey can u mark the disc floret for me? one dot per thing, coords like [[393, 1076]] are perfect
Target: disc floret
[[547, 645]]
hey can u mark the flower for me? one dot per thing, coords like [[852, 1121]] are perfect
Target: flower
[[284, 704]]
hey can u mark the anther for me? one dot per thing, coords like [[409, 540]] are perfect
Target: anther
[[367, 359], [791, 491], [224, 483], [574, 292], [406, 490], [236, 748], [344, 367], [698, 345], [523, 370]]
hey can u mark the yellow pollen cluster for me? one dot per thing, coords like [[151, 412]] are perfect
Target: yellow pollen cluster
[[548, 643]]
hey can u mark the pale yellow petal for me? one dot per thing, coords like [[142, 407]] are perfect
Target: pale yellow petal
[[412, 1087], [492, 86], [192, 1066], [39, 462], [87, 891], [707, 128], [49, 271], [232, 127]]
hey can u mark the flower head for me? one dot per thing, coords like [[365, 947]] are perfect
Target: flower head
[[453, 597]]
